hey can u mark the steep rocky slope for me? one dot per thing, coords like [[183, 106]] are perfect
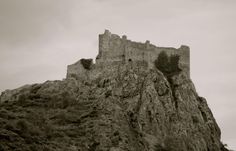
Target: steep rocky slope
[[122, 109]]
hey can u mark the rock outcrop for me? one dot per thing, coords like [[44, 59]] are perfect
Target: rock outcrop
[[126, 109], [122, 108]]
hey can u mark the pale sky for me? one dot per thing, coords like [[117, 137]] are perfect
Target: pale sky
[[39, 38]]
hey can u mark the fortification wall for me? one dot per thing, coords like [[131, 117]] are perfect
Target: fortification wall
[[76, 70], [111, 48], [114, 49]]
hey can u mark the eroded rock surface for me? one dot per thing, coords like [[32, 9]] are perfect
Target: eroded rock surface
[[123, 109]]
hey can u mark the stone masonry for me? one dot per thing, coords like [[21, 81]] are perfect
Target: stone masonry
[[115, 50]]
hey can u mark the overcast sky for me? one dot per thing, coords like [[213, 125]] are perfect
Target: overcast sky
[[39, 38]]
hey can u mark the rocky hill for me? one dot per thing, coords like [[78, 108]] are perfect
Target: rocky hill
[[122, 108]]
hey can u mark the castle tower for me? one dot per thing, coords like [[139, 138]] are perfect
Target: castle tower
[[184, 52], [114, 50], [103, 46], [104, 41]]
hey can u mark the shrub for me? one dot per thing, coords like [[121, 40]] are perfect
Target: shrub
[[167, 64], [86, 63], [162, 62]]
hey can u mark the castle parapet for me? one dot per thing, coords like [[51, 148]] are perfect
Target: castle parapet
[[114, 50], [107, 33]]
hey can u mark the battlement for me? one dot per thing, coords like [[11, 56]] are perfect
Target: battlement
[[116, 50]]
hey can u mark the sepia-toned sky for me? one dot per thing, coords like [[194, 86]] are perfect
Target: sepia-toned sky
[[39, 38]]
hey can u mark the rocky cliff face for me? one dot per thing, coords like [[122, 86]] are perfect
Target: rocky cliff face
[[122, 109]]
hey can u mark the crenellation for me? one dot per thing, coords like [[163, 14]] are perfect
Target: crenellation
[[107, 33], [114, 50]]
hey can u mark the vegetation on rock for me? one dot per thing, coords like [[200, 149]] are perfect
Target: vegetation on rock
[[167, 64], [122, 109], [86, 63]]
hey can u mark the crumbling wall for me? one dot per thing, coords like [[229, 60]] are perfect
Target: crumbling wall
[[76, 70], [113, 49]]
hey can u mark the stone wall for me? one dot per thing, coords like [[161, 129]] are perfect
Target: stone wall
[[76, 70], [115, 50]]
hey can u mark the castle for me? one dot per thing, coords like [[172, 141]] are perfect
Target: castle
[[116, 50]]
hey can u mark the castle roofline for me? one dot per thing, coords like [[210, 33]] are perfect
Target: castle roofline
[[147, 43]]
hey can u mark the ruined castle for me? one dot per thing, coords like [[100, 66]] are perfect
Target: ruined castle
[[115, 50]]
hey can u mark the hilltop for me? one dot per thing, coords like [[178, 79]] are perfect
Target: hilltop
[[134, 98]]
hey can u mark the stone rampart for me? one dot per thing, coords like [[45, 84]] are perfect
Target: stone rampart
[[113, 48], [116, 50]]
